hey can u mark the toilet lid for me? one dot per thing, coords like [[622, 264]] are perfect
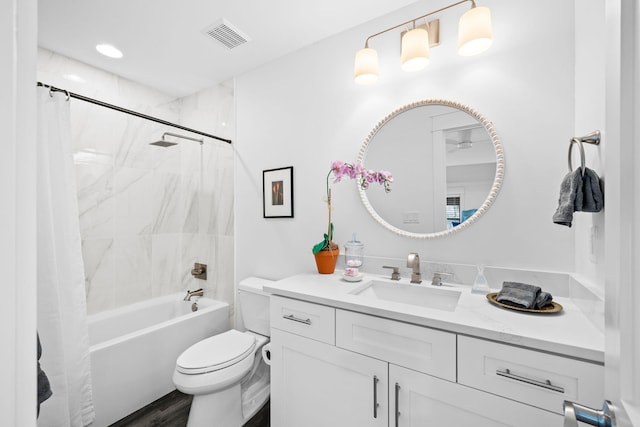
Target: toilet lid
[[216, 352]]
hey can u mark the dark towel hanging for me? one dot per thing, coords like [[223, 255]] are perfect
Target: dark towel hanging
[[44, 388], [571, 195], [580, 190], [592, 197]]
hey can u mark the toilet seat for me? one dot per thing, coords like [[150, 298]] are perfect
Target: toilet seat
[[215, 353]]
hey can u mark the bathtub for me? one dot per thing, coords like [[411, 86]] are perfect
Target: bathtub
[[133, 350]]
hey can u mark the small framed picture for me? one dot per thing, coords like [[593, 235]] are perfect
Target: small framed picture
[[277, 196]]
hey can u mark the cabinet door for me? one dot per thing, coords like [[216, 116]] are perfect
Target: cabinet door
[[419, 400], [318, 385]]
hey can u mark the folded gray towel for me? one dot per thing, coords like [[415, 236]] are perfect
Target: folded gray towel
[[592, 197], [523, 295], [570, 196], [544, 299], [519, 294]]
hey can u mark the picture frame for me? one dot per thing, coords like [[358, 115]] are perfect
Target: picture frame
[[277, 193]]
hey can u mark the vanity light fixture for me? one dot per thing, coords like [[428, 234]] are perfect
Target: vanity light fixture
[[415, 49], [474, 36]]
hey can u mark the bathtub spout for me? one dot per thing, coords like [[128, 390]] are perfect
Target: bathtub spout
[[196, 293]]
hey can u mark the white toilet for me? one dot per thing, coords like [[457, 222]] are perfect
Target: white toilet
[[226, 373]]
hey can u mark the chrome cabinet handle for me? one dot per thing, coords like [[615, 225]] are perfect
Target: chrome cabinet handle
[[297, 319], [506, 373], [375, 396], [397, 401], [574, 412]]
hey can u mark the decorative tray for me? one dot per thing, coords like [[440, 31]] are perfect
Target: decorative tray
[[554, 307]]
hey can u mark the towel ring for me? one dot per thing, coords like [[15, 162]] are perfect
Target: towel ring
[[582, 165], [592, 138]]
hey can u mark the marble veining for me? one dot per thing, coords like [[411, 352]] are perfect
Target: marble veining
[[148, 213]]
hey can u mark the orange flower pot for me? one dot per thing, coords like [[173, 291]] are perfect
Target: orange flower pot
[[326, 260]]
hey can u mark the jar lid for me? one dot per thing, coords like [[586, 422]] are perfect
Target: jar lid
[[353, 243]]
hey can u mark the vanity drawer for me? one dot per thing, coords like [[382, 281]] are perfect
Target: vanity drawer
[[536, 378], [309, 320], [415, 347]]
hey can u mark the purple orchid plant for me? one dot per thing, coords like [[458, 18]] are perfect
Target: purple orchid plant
[[353, 171]]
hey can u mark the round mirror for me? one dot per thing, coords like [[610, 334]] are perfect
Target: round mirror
[[447, 165]]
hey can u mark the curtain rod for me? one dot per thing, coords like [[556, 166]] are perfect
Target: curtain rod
[[131, 112]]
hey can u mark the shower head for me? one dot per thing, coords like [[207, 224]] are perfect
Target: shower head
[[165, 143]]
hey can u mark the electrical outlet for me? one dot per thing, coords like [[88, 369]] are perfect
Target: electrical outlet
[[410, 218]]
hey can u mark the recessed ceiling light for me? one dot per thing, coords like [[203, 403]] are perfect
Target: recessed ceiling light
[[108, 50]]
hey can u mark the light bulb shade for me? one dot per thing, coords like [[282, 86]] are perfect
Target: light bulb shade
[[366, 66], [474, 31], [415, 49]]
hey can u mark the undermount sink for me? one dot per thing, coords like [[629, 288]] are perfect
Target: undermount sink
[[418, 295]]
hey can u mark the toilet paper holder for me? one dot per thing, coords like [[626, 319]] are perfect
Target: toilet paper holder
[[266, 354]]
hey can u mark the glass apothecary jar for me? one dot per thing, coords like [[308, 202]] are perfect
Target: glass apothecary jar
[[353, 253]]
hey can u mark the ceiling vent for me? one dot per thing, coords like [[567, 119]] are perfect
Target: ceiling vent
[[226, 34]]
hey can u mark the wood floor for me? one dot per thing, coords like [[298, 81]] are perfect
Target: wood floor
[[172, 410]]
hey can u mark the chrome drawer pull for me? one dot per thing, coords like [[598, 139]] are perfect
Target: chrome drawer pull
[[375, 396], [397, 404], [297, 319], [547, 384]]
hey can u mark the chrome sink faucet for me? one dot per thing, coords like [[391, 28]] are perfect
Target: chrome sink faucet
[[413, 261]]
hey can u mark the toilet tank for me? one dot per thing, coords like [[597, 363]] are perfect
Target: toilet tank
[[254, 305]]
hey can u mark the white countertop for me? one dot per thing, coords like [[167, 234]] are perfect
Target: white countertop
[[568, 333]]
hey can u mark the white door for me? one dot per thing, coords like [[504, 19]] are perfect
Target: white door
[[319, 385], [622, 212]]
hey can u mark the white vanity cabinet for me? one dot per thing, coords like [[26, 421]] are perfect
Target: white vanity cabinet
[[422, 377], [334, 367], [314, 383]]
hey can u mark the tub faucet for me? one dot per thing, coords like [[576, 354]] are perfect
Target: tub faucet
[[196, 293], [413, 261]]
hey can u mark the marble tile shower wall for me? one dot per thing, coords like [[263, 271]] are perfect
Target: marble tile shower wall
[[148, 213]]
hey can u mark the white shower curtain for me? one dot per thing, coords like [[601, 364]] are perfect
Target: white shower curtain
[[62, 314]]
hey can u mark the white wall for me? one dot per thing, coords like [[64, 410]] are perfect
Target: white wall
[[589, 116], [148, 213], [304, 110]]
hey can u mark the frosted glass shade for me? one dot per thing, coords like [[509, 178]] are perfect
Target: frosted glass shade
[[415, 49], [474, 31], [366, 66]]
